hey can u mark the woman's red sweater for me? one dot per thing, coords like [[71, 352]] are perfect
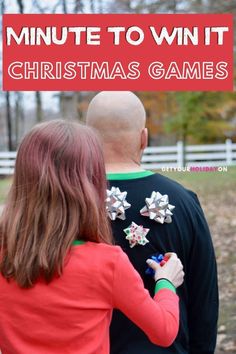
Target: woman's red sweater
[[72, 314]]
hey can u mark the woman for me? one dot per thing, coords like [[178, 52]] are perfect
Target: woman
[[60, 275]]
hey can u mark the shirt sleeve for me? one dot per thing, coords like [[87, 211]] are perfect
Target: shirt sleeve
[[202, 286], [158, 317]]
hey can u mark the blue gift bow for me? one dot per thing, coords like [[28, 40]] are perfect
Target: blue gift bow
[[157, 258]]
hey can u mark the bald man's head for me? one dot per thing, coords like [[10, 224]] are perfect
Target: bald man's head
[[120, 118]]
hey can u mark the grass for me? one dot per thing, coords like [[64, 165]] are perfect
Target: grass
[[205, 181], [4, 188]]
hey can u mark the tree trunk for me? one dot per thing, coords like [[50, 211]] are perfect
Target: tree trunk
[[39, 110], [174, 6], [21, 6], [9, 123], [2, 7], [100, 6], [19, 117], [92, 7], [79, 99], [64, 6], [78, 6], [128, 6]]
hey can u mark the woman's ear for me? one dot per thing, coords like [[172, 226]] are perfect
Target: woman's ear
[[144, 139]]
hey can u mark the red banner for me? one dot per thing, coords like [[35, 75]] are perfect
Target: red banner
[[118, 52]]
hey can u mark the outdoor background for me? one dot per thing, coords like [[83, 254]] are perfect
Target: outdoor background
[[192, 117]]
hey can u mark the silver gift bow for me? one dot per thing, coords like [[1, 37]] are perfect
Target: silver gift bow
[[157, 208], [116, 203]]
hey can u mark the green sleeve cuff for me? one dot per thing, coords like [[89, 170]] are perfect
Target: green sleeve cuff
[[164, 284]]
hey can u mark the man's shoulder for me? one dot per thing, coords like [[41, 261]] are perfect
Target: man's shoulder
[[158, 183], [173, 186], [168, 182]]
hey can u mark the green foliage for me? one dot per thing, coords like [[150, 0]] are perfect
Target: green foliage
[[202, 116]]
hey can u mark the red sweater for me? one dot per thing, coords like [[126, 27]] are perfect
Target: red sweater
[[72, 314]]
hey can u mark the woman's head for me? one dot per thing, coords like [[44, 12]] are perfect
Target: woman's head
[[57, 196]]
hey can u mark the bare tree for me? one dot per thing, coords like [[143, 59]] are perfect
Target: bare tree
[[210, 6], [145, 6], [174, 5], [38, 99], [19, 116], [92, 7], [78, 6], [9, 121], [2, 7], [8, 101], [100, 6], [64, 6], [39, 108], [46, 9], [122, 6], [21, 6]]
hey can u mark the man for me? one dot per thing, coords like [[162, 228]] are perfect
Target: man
[[120, 119]]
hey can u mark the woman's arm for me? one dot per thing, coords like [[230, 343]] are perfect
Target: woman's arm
[[158, 317]]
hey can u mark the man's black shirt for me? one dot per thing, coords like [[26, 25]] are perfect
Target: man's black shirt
[[187, 235]]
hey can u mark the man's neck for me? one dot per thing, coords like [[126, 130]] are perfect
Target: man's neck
[[123, 167]]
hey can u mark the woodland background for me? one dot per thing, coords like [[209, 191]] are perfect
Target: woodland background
[[193, 117]]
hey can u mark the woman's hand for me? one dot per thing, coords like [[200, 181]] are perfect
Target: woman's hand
[[172, 270]]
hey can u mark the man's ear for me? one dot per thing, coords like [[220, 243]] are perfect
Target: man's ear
[[144, 139]]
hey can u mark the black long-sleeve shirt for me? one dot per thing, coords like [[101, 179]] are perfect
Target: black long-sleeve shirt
[[187, 235]]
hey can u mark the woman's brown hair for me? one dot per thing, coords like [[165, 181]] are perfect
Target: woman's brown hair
[[57, 196]]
